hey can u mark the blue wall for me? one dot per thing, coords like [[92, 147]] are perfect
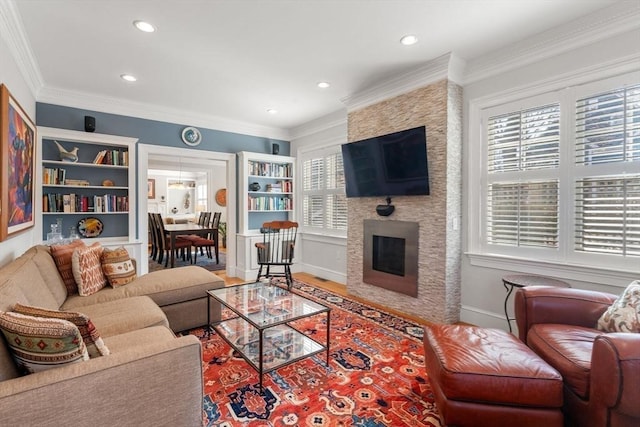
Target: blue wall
[[153, 132]]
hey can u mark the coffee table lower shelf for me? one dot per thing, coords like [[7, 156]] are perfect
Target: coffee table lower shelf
[[271, 348]]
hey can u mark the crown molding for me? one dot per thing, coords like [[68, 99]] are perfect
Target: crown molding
[[122, 107], [447, 66], [331, 120], [12, 32], [616, 19]]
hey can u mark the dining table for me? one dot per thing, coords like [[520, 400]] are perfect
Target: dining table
[[174, 230]]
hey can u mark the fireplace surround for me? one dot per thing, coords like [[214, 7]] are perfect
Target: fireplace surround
[[390, 255]]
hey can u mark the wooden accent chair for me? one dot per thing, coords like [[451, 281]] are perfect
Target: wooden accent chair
[[277, 249]]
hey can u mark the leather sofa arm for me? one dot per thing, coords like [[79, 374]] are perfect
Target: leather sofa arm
[[157, 384], [565, 306], [615, 376]]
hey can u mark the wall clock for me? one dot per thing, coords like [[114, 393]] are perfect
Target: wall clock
[[221, 197], [191, 136]]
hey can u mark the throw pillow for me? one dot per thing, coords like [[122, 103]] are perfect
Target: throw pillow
[[38, 344], [117, 266], [624, 313], [62, 256], [87, 270], [89, 333]]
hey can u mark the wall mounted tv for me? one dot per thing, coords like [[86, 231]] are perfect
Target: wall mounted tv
[[387, 165]]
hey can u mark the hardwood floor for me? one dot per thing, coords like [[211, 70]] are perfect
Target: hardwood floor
[[336, 288]]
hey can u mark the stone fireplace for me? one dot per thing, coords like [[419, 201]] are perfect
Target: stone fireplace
[[435, 296], [390, 255]]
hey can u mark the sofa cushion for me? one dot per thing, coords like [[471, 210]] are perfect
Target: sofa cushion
[[117, 267], [124, 315], [624, 313], [62, 255], [89, 333], [38, 344], [87, 269], [568, 349]]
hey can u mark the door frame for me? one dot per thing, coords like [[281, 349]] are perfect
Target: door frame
[[144, 151]]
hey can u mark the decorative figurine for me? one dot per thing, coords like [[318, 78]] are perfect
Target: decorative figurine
[[67, 156]]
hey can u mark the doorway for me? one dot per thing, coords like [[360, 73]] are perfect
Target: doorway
[[213, 164]]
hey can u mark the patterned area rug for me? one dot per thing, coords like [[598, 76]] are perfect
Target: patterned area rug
[[376, 375], [203, 261]]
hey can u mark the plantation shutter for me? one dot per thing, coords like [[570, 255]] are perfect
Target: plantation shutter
[[324, 201], [522, 210], [608, 207]]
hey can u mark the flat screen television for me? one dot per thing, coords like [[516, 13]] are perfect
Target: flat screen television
[[387, 165]]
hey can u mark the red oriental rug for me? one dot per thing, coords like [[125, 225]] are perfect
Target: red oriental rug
[[376, 375]]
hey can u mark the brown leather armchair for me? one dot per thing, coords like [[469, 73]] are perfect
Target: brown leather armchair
[[600, 371]]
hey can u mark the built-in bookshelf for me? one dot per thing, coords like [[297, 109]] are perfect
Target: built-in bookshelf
[[97, 181], [266, 193]]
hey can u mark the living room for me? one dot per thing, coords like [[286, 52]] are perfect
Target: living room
[[463, 282]]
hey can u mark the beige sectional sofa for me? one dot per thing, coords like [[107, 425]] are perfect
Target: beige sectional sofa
[[150, 377]]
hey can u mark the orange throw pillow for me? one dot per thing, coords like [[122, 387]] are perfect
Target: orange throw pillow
[[62, 256], [87, 269]]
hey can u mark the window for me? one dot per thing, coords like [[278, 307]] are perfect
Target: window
[[561, 176], [324, 204], [201, 196]]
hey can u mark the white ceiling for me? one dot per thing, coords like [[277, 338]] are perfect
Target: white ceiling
[[234, 59]]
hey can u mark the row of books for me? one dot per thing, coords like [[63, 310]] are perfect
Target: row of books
[[280, 187], [273, 170], [112, 157], [270, 203], [56, 202], [53, 176]]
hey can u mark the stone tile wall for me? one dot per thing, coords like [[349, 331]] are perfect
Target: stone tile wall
[[437, 106]]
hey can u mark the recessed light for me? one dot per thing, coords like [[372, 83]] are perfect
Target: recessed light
[[409, 39], [272, 111], [128, 77], [144, 26], [324, 85]]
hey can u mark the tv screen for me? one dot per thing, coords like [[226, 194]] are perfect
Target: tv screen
[[387, 165]]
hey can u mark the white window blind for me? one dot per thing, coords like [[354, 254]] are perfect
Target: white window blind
[[522, 209], [324, 205]]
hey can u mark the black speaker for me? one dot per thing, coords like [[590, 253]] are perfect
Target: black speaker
[[275, 149], [89, 124]]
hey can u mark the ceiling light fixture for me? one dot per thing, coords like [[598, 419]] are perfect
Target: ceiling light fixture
[[179, 184], [409, 39], [324, 85], [272, 111], [128, 77], [144, 26]]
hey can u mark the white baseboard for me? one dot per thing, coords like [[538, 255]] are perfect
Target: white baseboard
[[324, 273]]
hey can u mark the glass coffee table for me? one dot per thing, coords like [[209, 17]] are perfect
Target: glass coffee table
[[261, 332]]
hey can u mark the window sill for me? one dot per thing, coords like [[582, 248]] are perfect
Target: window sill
[[583, 273]]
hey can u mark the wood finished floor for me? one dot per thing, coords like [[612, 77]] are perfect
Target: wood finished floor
[[336, 288]]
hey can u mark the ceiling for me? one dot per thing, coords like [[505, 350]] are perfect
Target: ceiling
[[234, 59]]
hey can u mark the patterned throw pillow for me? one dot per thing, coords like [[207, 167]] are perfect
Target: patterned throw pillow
[[62, 256], [38, 344], [87, 269], [89, 333], [117, 266], [624, 313]]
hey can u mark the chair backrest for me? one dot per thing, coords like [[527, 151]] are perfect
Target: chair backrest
[[204, 218], [278, 242], [159, 223], [215, 221]]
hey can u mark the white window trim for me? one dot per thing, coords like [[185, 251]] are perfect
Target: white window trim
[[476, 200], [302, 155]]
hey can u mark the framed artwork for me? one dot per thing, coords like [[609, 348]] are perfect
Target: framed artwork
[[17, 156], [151, 188]]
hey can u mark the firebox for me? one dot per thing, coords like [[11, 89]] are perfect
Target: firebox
[[390, 255]]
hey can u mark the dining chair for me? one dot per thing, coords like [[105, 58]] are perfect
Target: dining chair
[[211, 241], [165, 243], [277, 249]]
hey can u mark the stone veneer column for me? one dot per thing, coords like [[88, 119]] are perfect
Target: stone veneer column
[[437, 106]]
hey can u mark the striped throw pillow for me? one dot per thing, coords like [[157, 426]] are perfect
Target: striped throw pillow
[[62, 256]]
